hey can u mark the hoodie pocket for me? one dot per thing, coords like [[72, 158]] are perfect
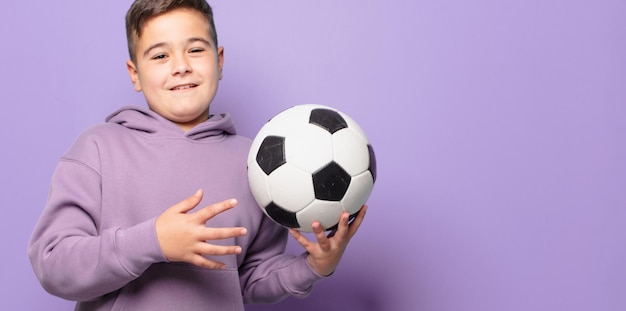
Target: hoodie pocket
[[180, 286]]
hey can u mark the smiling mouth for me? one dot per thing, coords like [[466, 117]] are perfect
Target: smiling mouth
[[183, 87]]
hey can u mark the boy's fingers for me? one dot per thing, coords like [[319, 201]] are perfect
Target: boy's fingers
[[222, 233], [301, 239], [354, 226], [218, 250], [206, 213], [345, 228], [202, 261], [188, 203], [342, 226], [320, 235]]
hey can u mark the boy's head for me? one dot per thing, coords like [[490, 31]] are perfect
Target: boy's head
[[175, 60], [143, 10]]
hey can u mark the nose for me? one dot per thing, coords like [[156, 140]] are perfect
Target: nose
[[181, 66]]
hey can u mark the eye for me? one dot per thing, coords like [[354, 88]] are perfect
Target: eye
[[159, 56], [196, 50]]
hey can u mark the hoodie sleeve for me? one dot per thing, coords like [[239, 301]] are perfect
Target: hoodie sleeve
[[71, 255], [268, 274]]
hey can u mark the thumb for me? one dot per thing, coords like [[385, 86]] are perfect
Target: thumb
[[187, 204]]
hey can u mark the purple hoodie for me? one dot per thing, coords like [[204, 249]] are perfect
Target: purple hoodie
[[96, 240]]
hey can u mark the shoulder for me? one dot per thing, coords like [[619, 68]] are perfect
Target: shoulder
[[88, 144], [99, 133]]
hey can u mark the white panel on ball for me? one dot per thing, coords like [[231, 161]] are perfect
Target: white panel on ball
[[291, 187], [308, 147], [350, 151], [356, 128], [283, 123], [326, 212], [359, 190]]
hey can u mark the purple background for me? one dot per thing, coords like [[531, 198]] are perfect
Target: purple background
[[499, 126]]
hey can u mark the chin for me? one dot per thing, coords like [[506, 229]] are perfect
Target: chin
[[196, 117]]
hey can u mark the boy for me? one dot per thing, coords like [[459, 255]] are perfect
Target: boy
[[115, 234]]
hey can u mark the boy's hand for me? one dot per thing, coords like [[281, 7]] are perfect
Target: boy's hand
[[324, 256], [183, 236]]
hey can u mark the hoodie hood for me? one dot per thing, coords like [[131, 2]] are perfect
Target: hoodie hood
[[148, 121]]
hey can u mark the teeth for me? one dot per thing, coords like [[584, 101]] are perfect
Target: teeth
[[183, 87]]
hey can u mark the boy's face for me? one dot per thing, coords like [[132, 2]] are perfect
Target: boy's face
[[177, 66]]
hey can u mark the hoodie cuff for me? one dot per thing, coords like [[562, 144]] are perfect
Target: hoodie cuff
[[304, 276], [137, 247]]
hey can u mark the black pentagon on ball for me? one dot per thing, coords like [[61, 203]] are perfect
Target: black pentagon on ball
[[271, 154], [282, 216], [327, 119], [372, 167], [331, 182]]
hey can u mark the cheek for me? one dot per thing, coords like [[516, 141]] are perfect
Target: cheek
[[208, 68], [152, 79]]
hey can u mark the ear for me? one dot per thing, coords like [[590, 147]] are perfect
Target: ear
[[220, 60], [133, 74]]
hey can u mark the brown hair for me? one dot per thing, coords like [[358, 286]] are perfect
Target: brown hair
[[143, 10]]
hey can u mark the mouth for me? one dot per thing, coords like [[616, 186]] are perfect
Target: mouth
[[183, 87]]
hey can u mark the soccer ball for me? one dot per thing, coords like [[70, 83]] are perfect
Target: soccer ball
[[311, 163]]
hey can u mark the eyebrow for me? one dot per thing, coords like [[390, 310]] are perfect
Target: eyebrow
[[189, 41]]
